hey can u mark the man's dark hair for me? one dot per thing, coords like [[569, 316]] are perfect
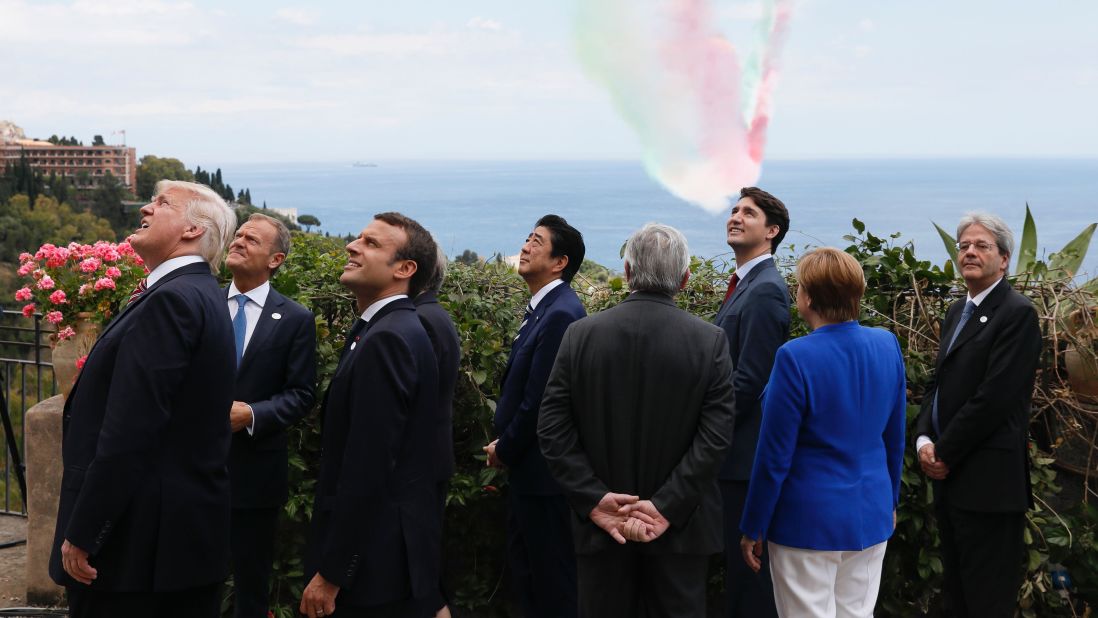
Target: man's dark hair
[[566, 240], [775, 212], [420, 248]]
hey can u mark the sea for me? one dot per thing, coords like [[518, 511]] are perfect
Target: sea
[[490, 206]]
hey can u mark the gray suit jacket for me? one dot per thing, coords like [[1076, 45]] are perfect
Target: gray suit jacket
[[640, 402], [756, 321]]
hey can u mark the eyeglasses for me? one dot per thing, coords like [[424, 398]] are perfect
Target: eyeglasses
[[981, 246]]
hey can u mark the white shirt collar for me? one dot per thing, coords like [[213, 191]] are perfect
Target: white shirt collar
[[168, 266], [743, 271], [257, 295], [376, 306], [979, 298], [544, 291]]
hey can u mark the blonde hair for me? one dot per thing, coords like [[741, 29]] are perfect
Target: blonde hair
[[208, 211], [833, 281]]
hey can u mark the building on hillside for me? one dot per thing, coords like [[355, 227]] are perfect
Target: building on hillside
[[289, 213], [86, 165]]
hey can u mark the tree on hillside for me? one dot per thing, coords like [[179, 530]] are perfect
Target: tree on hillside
[[152, 169], [107, 203], [308, 221], [98, 141]]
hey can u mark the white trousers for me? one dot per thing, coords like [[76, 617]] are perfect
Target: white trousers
[[826, 584]]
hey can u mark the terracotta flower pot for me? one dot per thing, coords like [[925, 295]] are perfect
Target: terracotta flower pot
[[66, 352], [1082, 365]]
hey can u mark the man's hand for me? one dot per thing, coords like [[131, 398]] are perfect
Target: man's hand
[[645, 523], [319, 597], [752, 552], [75, 562], [240, 416], [493, 460], [607, 514], [931, 465]]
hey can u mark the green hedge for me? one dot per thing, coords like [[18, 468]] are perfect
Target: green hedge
[[905, 295]]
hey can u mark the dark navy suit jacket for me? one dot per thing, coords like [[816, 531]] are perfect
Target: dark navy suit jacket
[[756, 321], [277, 378], [531, 360], [376, 529], [444, 337], [145, 489]]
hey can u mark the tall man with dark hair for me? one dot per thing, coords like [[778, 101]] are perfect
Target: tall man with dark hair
[[973, 424], [755, 317], [543, 566], [637, 415], [376, 529], [143, 519], [275, 386]]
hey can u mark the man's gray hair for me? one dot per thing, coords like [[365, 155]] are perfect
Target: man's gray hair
[[1004, 238], [658, 259], [282, 234], [208, 211], [434, 284]]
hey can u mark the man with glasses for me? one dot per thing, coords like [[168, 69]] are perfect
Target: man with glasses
[[972, 427]]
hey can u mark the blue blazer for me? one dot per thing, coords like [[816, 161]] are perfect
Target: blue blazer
[[146, 436], [444, 337], [827, 469], [756, 321], [531, 360], [277, 378]]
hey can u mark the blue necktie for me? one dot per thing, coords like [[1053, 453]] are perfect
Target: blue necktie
[[525, 319], [970, 307], [240, 326]]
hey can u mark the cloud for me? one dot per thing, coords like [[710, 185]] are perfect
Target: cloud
[[120, 8], [296, 16], [867, 25], [741, 11], [480, 23]]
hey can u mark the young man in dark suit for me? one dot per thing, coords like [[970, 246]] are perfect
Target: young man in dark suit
[[973, 424], [638, 414], [275, 386], [755, 317], [543, 566], [143, 519], [375, 536]]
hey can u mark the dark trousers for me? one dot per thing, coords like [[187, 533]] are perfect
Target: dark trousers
[[749, 594], [415, 608], [540, 554], [622, 582], [252, 545], [201, 602], [983, 556]]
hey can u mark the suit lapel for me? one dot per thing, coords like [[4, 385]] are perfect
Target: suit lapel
[[741, 287], [264, 328], [532, 326], [982, 315]]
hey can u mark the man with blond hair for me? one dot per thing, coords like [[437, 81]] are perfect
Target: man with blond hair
[[143, 519]]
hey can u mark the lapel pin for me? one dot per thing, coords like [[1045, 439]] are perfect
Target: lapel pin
[[354, 343], [983, 319], [276, 316]]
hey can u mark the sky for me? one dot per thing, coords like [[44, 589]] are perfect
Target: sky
[[500, 79]]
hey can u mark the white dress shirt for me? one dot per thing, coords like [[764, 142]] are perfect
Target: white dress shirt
[[253, 309], [168, 266], [543, 292], [742, 271]]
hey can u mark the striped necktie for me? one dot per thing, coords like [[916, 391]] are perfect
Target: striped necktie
[[138, 291]]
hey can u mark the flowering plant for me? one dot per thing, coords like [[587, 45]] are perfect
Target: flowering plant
[[66, 281]]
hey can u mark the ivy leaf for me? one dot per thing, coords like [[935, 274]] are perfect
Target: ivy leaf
[[858, 225]]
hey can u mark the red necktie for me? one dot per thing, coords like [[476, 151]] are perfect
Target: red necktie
[[732, 286], [138, 291]]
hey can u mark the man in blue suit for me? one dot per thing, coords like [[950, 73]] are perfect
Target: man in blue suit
[[275, 384], [375, 536], [755, 317], [143, 518], [543, 563]]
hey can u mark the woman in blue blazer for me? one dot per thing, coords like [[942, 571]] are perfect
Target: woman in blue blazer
[[826, 478]]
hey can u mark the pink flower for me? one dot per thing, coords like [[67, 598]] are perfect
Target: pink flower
[[110, 254], [84, 289], [66, 333], [28, 310], [113, 272], [44, 251], [104, 283], [45, 283], [24, 256], [89, 265], [23, 294], [53, 317], [80, 361], [57, 297], [26, 268]]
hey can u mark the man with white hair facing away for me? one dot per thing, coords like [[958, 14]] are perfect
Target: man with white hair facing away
[[634, 424], [143, 520]]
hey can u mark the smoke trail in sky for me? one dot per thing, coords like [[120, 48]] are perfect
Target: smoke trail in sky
[[700, 116]]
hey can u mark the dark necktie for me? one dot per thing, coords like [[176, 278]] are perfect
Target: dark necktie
[[525, 319], [138, 291], [240, 326], [731, 286], [970, 308]]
